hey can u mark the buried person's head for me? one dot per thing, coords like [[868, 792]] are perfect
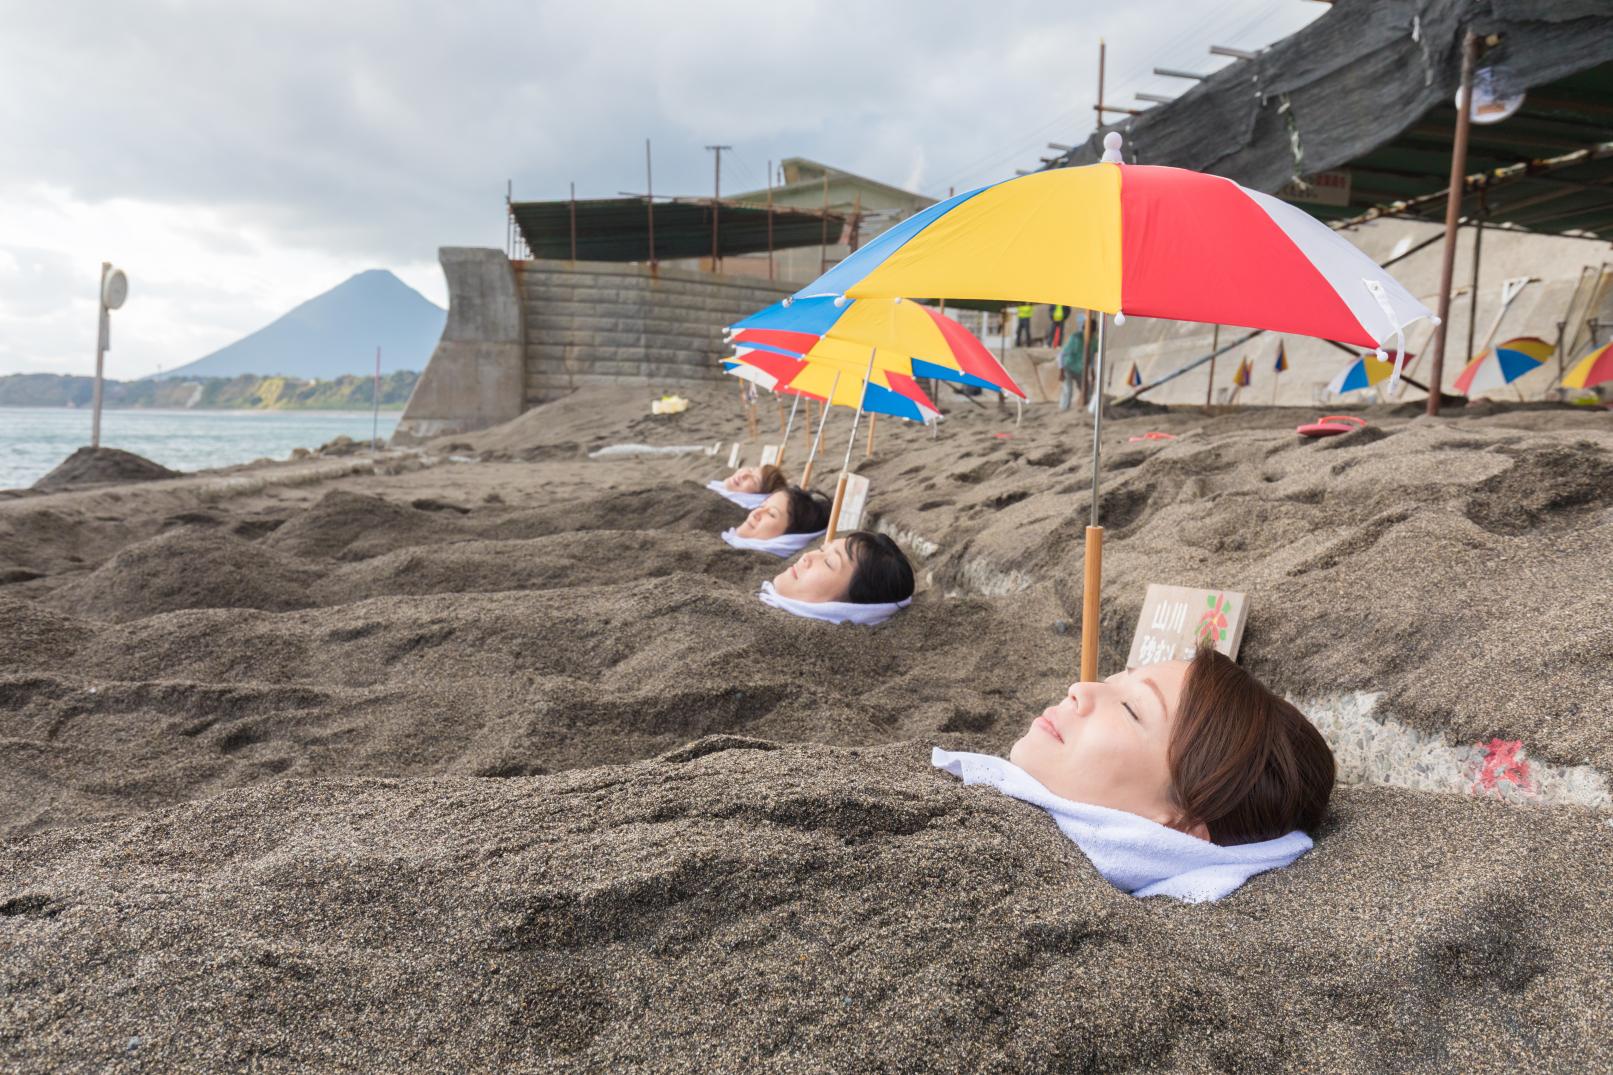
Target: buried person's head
[[791, 510], [1199, 746], [862, 568], [764, 479]]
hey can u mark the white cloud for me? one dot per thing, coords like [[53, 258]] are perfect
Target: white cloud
[[237, 159]]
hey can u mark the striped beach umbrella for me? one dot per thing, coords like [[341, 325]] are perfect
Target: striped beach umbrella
[[1499, 366], [1364, 372], [1132, 240], [1139, 240], [889, 392], [1595, 368], [910, 338]]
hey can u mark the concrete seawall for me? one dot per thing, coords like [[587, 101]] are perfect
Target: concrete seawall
[[523, 332]]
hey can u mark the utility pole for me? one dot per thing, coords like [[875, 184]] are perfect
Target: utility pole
[[649, 202], [716, 199], [1453, 212]]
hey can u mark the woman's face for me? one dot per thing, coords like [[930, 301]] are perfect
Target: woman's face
[[822, 574], [1106, 743], [768, 520], [744, 480]]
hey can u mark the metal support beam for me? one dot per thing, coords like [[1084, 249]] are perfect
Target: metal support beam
[[1156, 98], [1171, 72], [1236, 54]]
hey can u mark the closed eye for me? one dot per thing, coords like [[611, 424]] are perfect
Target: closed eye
[[1132, 711]]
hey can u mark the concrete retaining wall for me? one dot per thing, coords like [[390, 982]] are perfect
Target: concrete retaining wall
[[605, 323], [522, 332], [475, 378]]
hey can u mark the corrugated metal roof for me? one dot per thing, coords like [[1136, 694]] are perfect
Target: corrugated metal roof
[[1366, 92], [618, 229]]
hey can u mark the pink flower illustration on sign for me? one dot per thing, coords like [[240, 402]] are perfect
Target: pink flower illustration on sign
[[1504, 764], [1212, 627]]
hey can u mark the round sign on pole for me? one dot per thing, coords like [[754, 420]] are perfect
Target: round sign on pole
[[115, 289], [1489, 106]]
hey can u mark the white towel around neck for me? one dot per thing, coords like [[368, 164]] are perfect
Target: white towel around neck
[[1132, 853], [783, 545], [864, 615], [748, 501]]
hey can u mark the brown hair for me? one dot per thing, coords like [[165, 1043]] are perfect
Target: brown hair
[[771, 479], [1244, 762]]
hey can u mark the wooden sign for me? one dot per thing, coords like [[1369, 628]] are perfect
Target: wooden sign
[[733, 457], [1177, 620], [851, 507], [769, 455]]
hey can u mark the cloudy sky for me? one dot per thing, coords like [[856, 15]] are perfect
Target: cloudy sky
[[236, 159]]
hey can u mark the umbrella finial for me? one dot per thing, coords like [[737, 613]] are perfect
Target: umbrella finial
[[1111, 147]]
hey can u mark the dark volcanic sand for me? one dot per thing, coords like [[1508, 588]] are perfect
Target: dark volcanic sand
[[738, 907], [277, 792]]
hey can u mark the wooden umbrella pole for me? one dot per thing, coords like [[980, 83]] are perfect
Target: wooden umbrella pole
[[845, 466], [784, 441], [872, 418], [817, 442], [1092, 574]]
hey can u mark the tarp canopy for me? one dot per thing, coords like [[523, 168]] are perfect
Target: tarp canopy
[[618, 229], [1361, 103]]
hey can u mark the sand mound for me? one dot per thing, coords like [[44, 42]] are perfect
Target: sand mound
[[1444, 564], [353, 526], [101, 466], [739, 906], [160, 710], [572, 559], [192, 567]]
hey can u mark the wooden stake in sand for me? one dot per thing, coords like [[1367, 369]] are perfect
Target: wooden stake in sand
[[817, 442], [784, 441], [845, 466], [1092, 571]]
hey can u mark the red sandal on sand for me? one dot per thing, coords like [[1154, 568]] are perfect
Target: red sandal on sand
[[1331, 426]]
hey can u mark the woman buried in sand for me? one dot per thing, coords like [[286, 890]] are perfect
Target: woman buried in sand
[[1181, 779], [749, 486], [783, 524], [860, 578]]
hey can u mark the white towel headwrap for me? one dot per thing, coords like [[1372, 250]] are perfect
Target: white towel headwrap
[[783, 545], [1134, 854], [748, 501], [864, 615]]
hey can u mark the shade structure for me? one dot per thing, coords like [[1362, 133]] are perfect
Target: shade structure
[[1502, 364], [1364, 372], [1140, 240], [1594, 368], [910, 338]]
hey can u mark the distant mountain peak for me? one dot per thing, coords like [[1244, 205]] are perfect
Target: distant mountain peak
[[333, 333]]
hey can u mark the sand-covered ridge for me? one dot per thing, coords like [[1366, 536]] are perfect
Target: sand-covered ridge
[[493, 761]]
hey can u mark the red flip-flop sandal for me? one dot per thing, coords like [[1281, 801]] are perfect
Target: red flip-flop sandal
[[1331, 426]]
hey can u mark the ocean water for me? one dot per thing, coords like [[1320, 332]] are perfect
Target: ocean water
[[34, 439]]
